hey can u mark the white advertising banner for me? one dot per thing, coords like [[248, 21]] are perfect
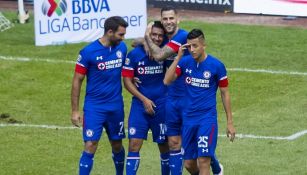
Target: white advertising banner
[[74, 21], [272, 7]]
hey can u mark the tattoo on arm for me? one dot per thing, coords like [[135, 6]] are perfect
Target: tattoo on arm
[[158, 53]]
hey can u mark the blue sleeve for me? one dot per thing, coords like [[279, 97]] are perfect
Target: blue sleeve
[[83, 59], [221, 72]]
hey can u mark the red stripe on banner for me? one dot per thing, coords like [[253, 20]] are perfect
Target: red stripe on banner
[[81, 70], [127, 73], [178, 71], [52, 8], [211, 134], [174, 46], [223, 83]]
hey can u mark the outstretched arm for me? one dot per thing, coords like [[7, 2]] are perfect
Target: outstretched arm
[[227, 107], [75, 95], [159, 54]]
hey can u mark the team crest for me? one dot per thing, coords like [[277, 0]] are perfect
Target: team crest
[[89, 133], [101, 66], [132, 131], [127, 61], [141, 70], [119, 54], [207, 74], [188, 80]]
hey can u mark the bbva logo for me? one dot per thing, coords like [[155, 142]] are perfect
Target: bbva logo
[[50, 7]]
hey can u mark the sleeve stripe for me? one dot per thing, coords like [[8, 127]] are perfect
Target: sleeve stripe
[[127, 73], [80, 69], [178, 71], [223, 78], [223, 83], [175, 42], [173, 46], [127, 68]]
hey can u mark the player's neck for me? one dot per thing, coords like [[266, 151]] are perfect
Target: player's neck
[[105, 41], [170, 35], [202, 58]]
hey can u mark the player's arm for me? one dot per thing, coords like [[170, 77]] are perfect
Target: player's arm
[[227, 107], [130, 86], [159, 54], [174, 71], [75, 96]]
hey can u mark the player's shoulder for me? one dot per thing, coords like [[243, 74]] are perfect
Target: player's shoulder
[[182, 32], [214, 60], [122, 45], [91, 47], [137, 53]]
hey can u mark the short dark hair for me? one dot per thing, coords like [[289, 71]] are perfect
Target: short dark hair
[[168, 8], [112, 23], [195, 33], [158, 24]]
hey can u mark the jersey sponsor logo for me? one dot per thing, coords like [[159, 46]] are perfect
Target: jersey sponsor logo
[[150, 70], [207, 74], [119, 54], [89, 133], [197, 82], [110, 64], [132, 131], [127, 61]]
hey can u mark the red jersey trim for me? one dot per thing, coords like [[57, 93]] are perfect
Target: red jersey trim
[[174, 46], [223, 83], [127, 73], [80, 69], [178, 71]]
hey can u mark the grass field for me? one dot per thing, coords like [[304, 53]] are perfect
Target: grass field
[[264, 104]]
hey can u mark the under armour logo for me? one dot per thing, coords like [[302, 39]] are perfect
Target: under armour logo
[[188, 71]]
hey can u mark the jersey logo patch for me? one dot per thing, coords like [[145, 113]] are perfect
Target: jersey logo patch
[[141, 63], [79, 58], [132, 131], [127, 61], [188, 80], [89, 133], [141, 70], [99, 58], [207, 74], [101, 66], [119, 54]]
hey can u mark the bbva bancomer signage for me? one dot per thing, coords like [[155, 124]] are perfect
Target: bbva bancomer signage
[[58, 18]]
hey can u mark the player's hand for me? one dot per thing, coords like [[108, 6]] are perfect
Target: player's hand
[[148, 29], [136, 81], [231, 132], [149, 106], [182, 49], [76, 119]]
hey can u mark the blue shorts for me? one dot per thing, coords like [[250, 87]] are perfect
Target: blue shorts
[[140, 122], [199, 140], [111, 120], [174, 112]]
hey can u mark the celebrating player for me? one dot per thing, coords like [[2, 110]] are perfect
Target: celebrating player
[[176, 101], [101, 62], [203, 74], [148, 102]]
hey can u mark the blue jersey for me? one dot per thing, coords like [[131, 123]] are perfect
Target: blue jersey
[[151, 73], [202, 80], [177, 88], [102, 67]]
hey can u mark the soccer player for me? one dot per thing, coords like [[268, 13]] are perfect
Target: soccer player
[[101, 62], [148, 102], [176, 101], [203, 75]]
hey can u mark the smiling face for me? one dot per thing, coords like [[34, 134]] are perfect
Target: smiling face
[[169, 21], [156, 35]]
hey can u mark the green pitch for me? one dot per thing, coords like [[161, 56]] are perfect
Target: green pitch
[[264, 104]]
